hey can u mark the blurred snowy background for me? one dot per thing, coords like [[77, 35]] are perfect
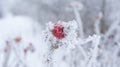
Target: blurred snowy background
[[93, 42]]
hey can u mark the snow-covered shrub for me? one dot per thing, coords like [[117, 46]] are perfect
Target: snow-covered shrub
[[61, 51], [109, 48], [64, 44], [19, 39]]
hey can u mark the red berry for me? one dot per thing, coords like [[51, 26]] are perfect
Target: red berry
[[17, 39], [57, 31], [97, 17]]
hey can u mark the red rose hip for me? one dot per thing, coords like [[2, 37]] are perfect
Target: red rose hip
[[58, 31]]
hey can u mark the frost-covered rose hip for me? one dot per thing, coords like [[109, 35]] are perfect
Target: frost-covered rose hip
[[17, 39], [57, 31]]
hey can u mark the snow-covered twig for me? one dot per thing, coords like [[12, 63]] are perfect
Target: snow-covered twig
[[110, 30], [8, 53], [77, 8], [94, 54], [97, 23]]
